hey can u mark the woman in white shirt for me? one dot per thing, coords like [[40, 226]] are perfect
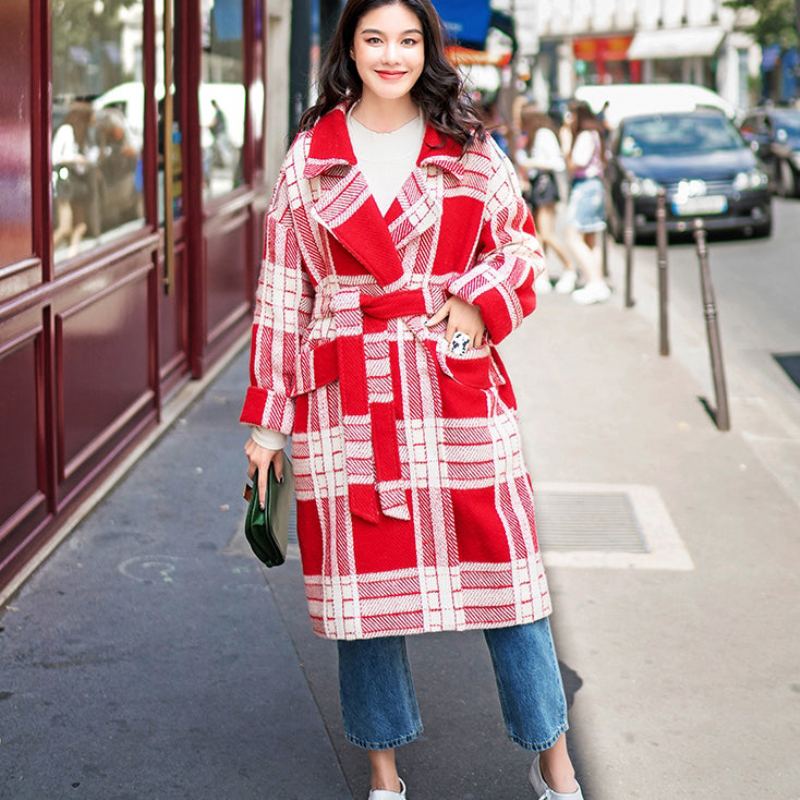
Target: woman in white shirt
[[543, 160], [70, 155], [586, 210]]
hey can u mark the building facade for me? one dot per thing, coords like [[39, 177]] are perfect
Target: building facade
[[616, 41], [135, 169]]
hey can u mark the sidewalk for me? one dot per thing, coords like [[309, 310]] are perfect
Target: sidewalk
[[149, 658]]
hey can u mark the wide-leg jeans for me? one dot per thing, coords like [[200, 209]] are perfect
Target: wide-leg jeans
[[379, 704]]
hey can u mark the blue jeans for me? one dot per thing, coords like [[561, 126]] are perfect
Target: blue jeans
[[379, 705]]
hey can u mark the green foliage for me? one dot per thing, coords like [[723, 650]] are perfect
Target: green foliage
[[777, 21]]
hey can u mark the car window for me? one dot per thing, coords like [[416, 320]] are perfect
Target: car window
[[788, 121], [678, 134]]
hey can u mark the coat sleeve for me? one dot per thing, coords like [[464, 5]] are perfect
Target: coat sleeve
[[508, 257], [284, 303]]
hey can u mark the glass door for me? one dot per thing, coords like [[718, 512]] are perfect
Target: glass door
[[170, 72]]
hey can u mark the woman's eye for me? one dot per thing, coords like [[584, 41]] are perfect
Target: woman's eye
[[410, 42], [373, 39]]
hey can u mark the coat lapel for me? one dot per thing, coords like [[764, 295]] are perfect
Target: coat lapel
[[345, 205]]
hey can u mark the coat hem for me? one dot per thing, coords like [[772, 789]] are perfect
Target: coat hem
[[318, 629]]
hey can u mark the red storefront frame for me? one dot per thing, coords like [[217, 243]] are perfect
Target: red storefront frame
[[90, 352], [602, 51]]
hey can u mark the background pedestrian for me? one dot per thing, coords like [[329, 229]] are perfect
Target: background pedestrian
[[542, 159], [586, 211]]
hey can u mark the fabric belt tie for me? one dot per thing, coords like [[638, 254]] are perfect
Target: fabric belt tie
[[371, 452]]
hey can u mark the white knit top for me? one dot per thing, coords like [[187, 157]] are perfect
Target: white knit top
[[385, 160]]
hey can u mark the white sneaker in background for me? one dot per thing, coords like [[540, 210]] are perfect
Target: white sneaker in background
[[593, 292], [566, 283], [385, 794], [542, 285]]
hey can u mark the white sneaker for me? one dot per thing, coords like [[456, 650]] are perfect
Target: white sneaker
[[566, 283], [542, 285], [543, 791], [593, 292], [385, 794]]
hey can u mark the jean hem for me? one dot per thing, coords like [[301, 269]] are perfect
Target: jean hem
[[539, 746], [384, 745]]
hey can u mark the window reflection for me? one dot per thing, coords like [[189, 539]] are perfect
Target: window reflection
[[169, 147], [98, 117], [222, 96]]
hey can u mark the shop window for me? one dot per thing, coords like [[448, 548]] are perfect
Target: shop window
[[98, 121], [222, 96], [170, 181], [15, 133]]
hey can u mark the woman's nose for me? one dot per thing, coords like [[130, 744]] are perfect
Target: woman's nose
[[390, 53]]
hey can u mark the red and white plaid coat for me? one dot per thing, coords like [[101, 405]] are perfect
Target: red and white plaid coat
[[414, 507]]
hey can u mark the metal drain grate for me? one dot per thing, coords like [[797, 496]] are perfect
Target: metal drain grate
[[791, 365], [607, 525], [607, 522]]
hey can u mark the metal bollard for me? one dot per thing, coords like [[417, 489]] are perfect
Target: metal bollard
[[629, 237], [663, 283], [722, 414]]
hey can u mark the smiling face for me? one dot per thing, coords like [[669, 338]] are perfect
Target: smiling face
[[389, 51]]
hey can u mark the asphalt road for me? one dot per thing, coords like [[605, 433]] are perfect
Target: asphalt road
[[756, 288], [755, 281]]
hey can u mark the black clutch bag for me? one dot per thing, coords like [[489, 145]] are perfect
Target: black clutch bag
[[267, 529]]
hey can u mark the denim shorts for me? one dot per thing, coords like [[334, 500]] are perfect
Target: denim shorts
[[379, 704], [586, 210]]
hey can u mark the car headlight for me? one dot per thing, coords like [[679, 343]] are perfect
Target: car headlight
[[644, 186], [754, 179]]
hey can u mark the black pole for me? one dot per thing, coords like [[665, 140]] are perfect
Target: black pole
[[629, 237], [329, 11], [299, 63], [722, 414], [663, 284]]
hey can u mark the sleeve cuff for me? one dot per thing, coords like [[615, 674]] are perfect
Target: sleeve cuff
[[268, 409], [265, 437]]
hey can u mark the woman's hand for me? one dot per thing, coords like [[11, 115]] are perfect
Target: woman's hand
[[259, 458], [461, 316]]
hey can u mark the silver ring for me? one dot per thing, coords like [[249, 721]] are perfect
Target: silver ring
[[459, 343]]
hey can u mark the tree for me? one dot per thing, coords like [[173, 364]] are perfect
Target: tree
[[778, 21]]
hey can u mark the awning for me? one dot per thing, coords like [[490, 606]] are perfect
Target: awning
[[675, 43], [466, 21]]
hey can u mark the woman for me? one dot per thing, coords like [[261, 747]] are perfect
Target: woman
[[398, 253], [72, 156], [586, 211], [543, 160]]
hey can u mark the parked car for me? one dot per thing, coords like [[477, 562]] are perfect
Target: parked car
[[774, 135], [626, 99], [705, 166]]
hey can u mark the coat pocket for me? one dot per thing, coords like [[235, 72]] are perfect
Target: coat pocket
[[473, 368]]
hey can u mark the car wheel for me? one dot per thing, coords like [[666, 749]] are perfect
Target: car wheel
[[615, 223], [787, 183], [762, 231]]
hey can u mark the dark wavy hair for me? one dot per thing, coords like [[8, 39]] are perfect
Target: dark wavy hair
[[439, 90]]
